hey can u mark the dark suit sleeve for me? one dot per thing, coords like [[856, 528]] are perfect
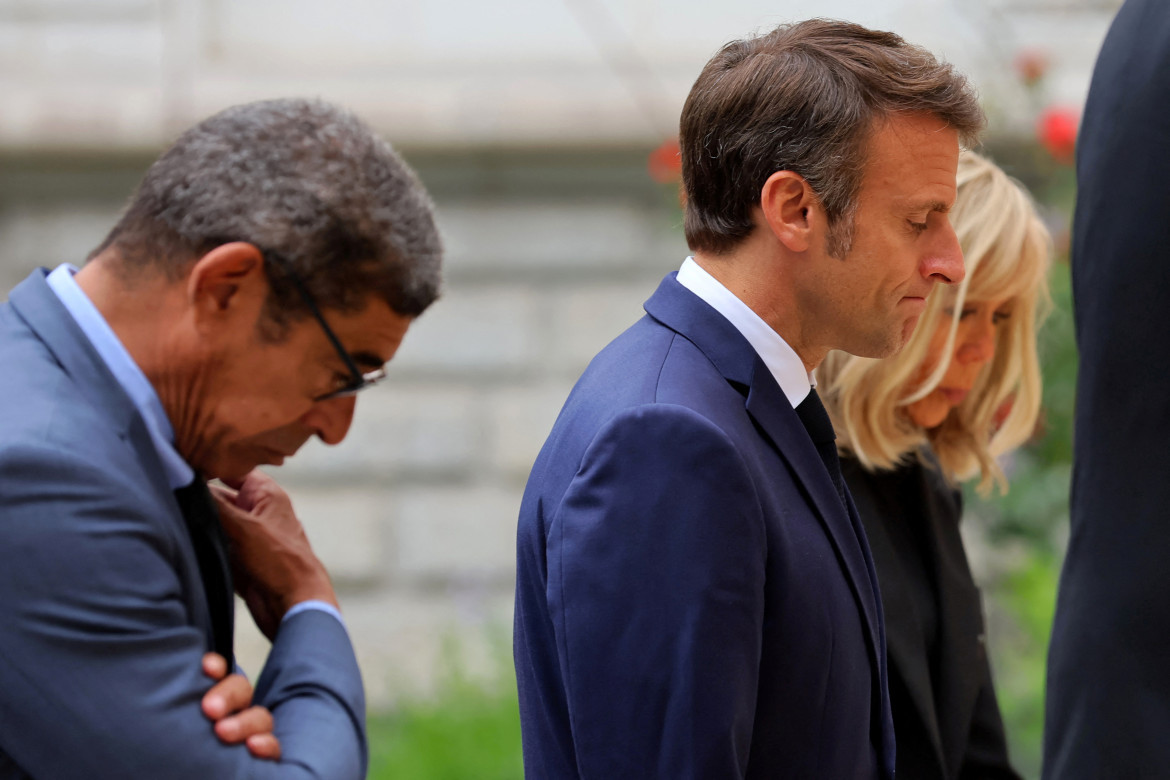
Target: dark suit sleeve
[[656, 589], [100, 673]]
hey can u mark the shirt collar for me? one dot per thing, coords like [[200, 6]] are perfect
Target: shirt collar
[[781, 359], [127, 373]]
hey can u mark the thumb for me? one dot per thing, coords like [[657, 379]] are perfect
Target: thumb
[[228, 502]]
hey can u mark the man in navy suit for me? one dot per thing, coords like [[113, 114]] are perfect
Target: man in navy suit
[[267, 267], [695, 595], [1107, 710]]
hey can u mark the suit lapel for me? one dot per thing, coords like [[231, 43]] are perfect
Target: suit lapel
[[769, 407], [48, 319], [684, 312]]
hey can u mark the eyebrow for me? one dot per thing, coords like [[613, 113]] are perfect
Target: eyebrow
[[933, 206]]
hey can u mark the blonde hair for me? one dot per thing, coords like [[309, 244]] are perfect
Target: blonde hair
[[1006, 250]]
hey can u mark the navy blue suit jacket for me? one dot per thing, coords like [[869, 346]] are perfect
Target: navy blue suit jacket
[[1108, 692], [103, 617], [693, 600]]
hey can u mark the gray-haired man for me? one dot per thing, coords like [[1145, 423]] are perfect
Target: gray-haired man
[[268, 266]]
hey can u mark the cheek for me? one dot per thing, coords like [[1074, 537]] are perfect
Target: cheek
[[934, 352], [929, 412], [265, 400], [925, 370]]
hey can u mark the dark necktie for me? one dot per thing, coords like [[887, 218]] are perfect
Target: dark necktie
[[207, 537], [820, 429]]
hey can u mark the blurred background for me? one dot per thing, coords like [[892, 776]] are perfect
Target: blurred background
[[544, 130]]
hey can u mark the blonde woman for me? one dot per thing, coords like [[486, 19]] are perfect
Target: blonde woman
[[965, 390]]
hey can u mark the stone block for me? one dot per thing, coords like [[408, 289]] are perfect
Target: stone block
[[51, 234], [398, 428], [473, 330], [455, 533], [586, 318], [519, 420], [346, 529], [602, 235]]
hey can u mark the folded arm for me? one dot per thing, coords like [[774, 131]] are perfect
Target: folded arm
[[101, 671]]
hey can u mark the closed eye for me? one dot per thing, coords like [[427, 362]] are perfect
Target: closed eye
[[918, 227], [964, 314]]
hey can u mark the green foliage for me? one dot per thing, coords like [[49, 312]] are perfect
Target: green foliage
[[1028, 595], [468, 729], [1028, 526]]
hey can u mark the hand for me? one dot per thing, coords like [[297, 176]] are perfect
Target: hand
[[227, 705], [272, 563]]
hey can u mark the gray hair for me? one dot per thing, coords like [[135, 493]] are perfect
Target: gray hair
[[307, 183]]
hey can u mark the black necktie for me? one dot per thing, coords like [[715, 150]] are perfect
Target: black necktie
[[820, 429], [207, 537]]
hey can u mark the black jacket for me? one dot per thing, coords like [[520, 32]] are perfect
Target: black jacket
[[946, 720]]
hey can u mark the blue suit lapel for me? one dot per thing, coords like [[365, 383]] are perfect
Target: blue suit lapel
[[682, 311], [48, 319], [769, 407]]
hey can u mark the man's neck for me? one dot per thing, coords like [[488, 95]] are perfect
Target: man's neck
[[137, 317], [762, 280], [147, 321]]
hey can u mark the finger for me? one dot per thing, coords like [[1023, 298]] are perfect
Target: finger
[[231, 694], [214, 666], [220, 490], [224, 497], [255, 488], [237, 728], [264, 746]]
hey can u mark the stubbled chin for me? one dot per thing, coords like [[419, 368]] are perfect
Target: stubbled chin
[[908, 330]]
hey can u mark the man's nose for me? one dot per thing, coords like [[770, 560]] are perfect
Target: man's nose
[[944, 259], [330, 419]]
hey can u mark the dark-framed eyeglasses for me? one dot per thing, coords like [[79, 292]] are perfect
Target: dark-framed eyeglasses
[[357, 379]]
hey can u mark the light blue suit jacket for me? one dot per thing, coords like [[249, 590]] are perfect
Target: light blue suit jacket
[[103, 610]]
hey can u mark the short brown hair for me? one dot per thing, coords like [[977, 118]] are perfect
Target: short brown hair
[[803, 98]]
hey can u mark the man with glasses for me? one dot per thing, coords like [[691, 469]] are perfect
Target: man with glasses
[[266, 269]]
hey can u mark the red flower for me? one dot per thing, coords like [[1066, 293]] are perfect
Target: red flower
[[1031, 65], [1057, 131], [664, 163]]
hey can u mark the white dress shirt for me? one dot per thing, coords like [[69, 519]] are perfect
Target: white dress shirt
[[781, 359]]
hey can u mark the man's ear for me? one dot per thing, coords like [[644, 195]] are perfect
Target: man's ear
[[231, 276], [791, 210]]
